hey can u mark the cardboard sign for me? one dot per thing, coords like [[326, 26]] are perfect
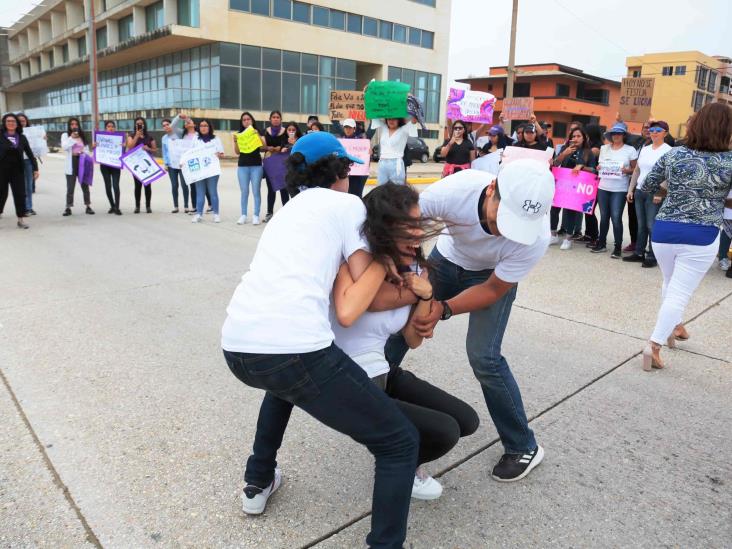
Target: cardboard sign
[[470, 106], [636, 99], [346, 104], [611, 169], [574, 191], [488, 163], [386, 99], [360, 149], [517, 108], [36, 136], [142, 165], [110, 148], [248, 140], [275, 166], [200, 163], [511, 154]]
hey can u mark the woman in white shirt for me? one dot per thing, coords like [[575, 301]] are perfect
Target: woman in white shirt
[[74, 143], [615, 165], [393, 136], [208, 186], [646, 204]]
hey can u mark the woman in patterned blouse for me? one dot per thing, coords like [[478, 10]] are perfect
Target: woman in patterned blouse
[[686, 231]]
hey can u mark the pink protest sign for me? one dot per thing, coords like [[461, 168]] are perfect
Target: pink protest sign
[[470, 106], [360, 149], [574, 191]]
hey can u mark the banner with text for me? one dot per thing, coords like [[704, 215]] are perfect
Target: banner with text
[[346, 104], [470, 106], [574, 191], [142, 165], [110, 148], [360, 149], [386, 99], [200, 163], [517, 108], [248, 140], [636, 98], [36, 136]]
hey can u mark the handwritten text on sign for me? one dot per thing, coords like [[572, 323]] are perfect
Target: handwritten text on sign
[[386, 99], [517, 108], [574, 191], [470, 106], [248, 140], [636, 98], [346, 104], [109, 149], [360, 149]]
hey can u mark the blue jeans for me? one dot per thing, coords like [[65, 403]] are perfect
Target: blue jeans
[[28, 175], [247, 175], [611, 207], [485, 334], [210, 186], [391, 169], [724, 243], [175, 176], [645, 211], [333, 389]]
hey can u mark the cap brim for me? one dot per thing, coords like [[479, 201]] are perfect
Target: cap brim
[[518, 229]]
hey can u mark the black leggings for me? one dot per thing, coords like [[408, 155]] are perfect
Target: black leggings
[[11, 177], [272, 196], [111, 184], [138, 193], [440, 418]]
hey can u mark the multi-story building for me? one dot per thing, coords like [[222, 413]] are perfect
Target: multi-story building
[[217, 58], [684, 82], [561, 94]]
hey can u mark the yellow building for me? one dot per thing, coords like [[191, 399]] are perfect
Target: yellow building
[[684, 82]]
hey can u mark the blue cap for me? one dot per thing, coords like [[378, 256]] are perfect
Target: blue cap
[[317, 145], [618, 127]]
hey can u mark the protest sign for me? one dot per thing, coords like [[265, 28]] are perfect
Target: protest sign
[[86, 169], [176, 149], [36, 136], [386, 99], [488, 163], [142, 165], [248, 140], [574, 191], [517, 108], [511, 154], [275, 166], [346, 104], [200, 163], [611, 169], [360, 149], [470, 106], [636, 98], [109, 149]]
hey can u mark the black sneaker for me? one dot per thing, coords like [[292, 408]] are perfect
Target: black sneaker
[[598, 249], [67, 211], [633, 258], [111, 210], [617, 253], [513, 467], [267, 217], [89, 211], [649, 263], [729, 272]]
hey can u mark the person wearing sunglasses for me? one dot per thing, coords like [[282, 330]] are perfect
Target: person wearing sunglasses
[[458, 151]]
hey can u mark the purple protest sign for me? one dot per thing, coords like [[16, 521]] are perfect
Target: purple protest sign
[[574, 191], [470, 106], [109, 148], [86, 169], [142, 165], [275, 167]]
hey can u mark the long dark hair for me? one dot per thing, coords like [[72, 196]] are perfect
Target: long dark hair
[[586, 150], [241, 124], [27, 121], [465, 129], [210, 135], [18, 129], [298, 133], [321, 173], [594, 134], [710, 129], [80, 131]]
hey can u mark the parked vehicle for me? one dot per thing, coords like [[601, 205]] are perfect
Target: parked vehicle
[[416, 148]]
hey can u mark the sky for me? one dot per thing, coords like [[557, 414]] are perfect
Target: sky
[[592, 35]]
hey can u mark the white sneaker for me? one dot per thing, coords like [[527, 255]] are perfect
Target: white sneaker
[[197, 218], [255, 220], [254, 499], [554, 240], [425, 487], [217, 219], [566, 244], [243, 219], [724, 263]]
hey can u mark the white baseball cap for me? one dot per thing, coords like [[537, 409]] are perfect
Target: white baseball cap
[[349, 122], [527, 190]]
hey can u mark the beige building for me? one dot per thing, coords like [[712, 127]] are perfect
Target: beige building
[[217, 58]]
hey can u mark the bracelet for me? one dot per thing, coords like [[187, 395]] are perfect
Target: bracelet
[[426, 299]]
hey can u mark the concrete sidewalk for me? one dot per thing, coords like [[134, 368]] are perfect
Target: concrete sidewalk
[[122, 426]]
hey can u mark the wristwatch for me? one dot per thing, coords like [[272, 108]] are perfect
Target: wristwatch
[[446, 311]]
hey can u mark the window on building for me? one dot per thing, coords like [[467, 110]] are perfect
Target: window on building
[[712, 85], [562, 90], [370, 26], [426, 86], [701, 77], [271, 59], [386, 30], [81, 45], [415, 37], [680, 70], [51, 61], [724, 84], [282, 9], [667, 71], [337, 20], [251, 89], [428, 39], [426, 2], [251, 56], [126, 27], [154, 16], [65, 53], [522, 89], [189, 13], [102, 38], [697, 100], [230, 98], [241, 5], [636, 73], [260, 7], [708, 98], [291, 61], [271, 90], [400, 33], [321, 16], [290, 92], [309, 63], [559, 129], [229, 54], [301, 12], [354, 23]]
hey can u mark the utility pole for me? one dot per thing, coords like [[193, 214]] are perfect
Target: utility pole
[[92, 41], [511, 70]]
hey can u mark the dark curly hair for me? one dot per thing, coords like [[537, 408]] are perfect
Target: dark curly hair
[[388, 220], [322, 173]]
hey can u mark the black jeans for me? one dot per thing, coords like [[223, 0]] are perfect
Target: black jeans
[[138, 194], [11, 177], [333, 389], [633, 224], [71, 185], [440, 418], [356, 184], [272, 196], [111, 184]]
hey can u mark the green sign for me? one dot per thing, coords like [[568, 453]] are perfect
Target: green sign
[[386, 99]]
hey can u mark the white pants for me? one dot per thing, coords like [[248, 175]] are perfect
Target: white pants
[[391, 169], [683, 267]]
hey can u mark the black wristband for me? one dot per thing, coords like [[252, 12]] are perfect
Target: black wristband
[[426, 299]]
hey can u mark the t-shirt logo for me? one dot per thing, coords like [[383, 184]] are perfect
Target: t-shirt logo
[[533, 207]]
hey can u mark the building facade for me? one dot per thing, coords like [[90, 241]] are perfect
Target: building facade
[[685, 81], [217, 58], [561, 94]]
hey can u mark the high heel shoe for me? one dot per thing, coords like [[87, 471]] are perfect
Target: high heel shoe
[[680, 333], [652, 357]]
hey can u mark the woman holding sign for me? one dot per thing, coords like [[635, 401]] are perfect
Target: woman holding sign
[[208, 186], [141, 137], [110, 174], [249, 168], [275, 141], [355, 182], [74, 142]]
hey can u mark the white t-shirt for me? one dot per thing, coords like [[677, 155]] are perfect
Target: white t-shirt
[[216, 142], [455, 200], [647, 158], [392, 146], [612, 160], [281, 305]]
